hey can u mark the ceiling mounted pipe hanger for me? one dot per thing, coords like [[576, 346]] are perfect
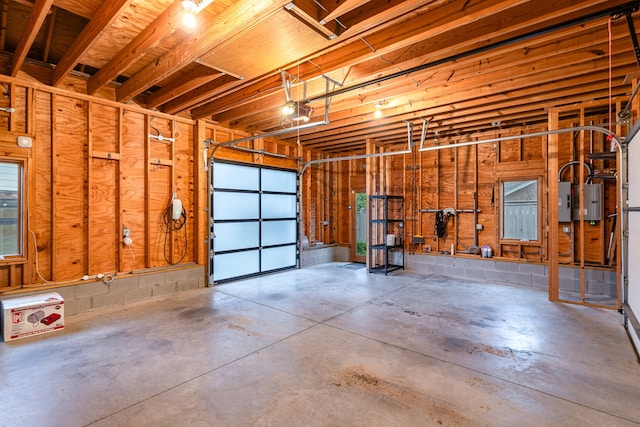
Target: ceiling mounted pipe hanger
[[409, 133], [423, 135], [616, 11]]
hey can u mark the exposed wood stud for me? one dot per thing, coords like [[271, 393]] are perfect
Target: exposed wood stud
[[104, 16]]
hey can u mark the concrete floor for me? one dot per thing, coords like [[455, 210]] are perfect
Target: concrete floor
[[329, 346]]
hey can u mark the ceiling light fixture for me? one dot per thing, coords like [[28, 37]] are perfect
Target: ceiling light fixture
[[379, 106], [297, 111], [190, 5], [189, 19], [191, 9]]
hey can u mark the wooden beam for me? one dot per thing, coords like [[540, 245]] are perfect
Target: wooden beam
[[101, 21], [183, 84], [355, 53], [47, 46], [201, 201], [106, 155], [85, 8], [164, 25], [199, 95], [345, 7], [3, 24], [377, 43], [552, 171], [32, 27], [230, 24], [413, 102], [309, 21]]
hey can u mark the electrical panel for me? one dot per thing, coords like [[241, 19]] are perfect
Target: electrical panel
[[592, 202], [564, 201], [569, 202]]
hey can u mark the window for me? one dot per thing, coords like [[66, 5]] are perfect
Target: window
[[519, 210], [10, 208]]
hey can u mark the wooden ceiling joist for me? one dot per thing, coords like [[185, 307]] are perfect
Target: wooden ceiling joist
[[37, 17], [199, 94], [232, 22], [167, 23], [184, 84], [461, 64], [343, 8], [104, 16]]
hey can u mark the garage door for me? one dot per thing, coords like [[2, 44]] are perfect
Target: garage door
[[254, 221], [632, 306]]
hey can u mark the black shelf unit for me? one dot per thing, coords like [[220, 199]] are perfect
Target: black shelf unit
[[386, 217], [610, 155]]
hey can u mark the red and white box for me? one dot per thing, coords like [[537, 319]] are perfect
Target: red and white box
[[32, 315]]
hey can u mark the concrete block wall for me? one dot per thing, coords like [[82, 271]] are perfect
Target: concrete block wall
[[597, 281], [314, 255], [94, 295]]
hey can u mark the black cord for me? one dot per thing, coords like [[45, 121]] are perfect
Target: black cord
[[441, 226], [170, 225]]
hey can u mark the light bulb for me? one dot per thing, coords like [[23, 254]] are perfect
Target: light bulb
[[288, 109], [189, 20], [377, 114]]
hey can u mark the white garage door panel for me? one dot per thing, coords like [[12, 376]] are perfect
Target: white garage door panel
[[236, 177], [278, 206], [633, 273], [236, 264], [278, 181], [235, 206], [277, 258], [230, 236], [278, 232]]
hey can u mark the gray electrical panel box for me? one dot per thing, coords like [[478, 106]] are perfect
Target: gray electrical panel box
[[564, 201], [592, 202]]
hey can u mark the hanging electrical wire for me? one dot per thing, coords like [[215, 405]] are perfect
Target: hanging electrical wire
[[173, 223]]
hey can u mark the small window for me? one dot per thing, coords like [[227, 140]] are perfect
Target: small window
[[520, 210], [10, 208]]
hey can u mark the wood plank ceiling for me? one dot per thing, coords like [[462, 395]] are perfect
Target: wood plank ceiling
[[462, 65]]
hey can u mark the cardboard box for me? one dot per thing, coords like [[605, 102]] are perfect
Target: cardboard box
[[32, 315]]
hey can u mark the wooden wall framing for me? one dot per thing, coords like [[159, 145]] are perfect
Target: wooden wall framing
[[94, 168]]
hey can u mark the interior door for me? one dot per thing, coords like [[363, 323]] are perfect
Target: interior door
[[359, 234]]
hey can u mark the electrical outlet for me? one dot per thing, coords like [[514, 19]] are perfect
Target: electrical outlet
[[566, 230], [126, 236]]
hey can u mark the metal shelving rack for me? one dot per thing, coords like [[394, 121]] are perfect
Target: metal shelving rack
[[386, 218]]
